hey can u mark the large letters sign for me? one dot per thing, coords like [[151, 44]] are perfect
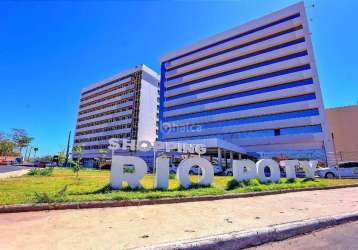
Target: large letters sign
[[242, 170]]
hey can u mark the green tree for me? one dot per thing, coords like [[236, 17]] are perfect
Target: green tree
[[21, 138], [61, 158], [6, 147], [77, 150]]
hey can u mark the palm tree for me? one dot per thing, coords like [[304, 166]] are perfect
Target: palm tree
[[35, 151]]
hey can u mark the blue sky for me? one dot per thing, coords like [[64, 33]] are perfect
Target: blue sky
[[50, 50]]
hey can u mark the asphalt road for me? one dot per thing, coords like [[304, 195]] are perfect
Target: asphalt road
[[342, 237], [7, 169]]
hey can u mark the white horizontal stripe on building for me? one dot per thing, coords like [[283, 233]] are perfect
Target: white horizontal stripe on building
[[282, 139], [270, 18], [108, 94], [126, 104], [239, 52], [98, 104], [269, 82], [105, 125], [287, 147], [243, 100], [277, 109], [105, 117], [285, 123], [295, 76], [112, 132], [294, 62], [127, 79]]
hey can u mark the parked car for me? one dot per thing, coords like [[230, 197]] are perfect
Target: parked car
[[173, 169], [196, 170], [344, 169], [228, 172], [40, 164]]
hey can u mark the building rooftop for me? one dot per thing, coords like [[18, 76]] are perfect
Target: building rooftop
[[234, 31], [123, 73]]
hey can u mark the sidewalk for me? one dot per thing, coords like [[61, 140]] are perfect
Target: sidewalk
[[130, 227], [12, 171]]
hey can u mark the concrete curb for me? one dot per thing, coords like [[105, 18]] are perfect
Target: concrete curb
[[142, 202], [240, 240]]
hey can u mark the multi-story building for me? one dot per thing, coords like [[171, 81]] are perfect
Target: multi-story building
[[254, 86], [343, 123], [124, 106]]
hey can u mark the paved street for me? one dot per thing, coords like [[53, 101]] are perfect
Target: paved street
[[343, 237], [129, 227], [12, 171], [6, 169]]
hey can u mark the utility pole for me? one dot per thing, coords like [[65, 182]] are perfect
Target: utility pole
[[68, 148]]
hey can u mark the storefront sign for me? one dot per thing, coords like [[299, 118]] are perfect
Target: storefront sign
[[242, 170]]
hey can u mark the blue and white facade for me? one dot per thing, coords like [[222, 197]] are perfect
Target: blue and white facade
[[255, 86]]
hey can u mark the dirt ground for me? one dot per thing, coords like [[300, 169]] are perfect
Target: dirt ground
[[131, 227]]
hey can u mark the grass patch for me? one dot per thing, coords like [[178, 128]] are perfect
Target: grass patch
[[61, 185], [40, 171]]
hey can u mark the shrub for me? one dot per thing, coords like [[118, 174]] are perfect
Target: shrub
[[40, 171], [42, 198], [194, 186], [292, 180], [253, 182], [232, 184]]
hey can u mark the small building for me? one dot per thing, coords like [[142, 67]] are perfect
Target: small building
[[343, 124]]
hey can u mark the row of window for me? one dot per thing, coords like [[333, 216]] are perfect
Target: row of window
[[106, 84], [243, 94], [107, 105], [114, 88], [114, 119], [125, 92], [275, 102], [238, 70], [105, 129], [103, 146], [259, 133], [237, 36], [248, 120], [103, 138], [217, 64], [241, 81], [109, 112]]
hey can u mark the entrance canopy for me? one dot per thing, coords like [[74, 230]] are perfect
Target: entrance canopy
[[214, 143]]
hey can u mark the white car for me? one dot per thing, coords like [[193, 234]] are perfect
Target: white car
[[345, 169]]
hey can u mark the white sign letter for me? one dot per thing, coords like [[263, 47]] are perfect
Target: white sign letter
[[239, 173], [161, 173], [119, 173], [274, 170], [290, 168], [206, 168], [309, 167]]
